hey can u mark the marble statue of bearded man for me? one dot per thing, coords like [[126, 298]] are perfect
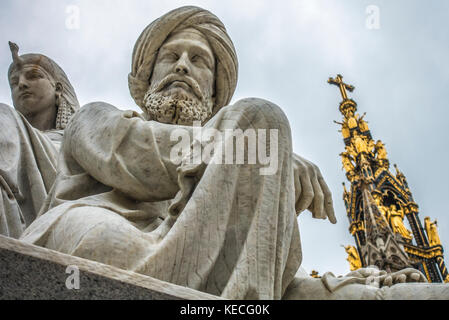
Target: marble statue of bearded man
[[30, 137], [120, 198]]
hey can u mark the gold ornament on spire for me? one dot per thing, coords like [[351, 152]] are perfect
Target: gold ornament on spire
[[396, 219], [432, 232], [353, 258]]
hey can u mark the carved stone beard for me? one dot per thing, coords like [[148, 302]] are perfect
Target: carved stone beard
[[177, 107]]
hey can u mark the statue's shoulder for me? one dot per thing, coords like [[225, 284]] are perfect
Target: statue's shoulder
[[4, 108], [8, 112]]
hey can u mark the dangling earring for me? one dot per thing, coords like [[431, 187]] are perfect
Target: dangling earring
[[63, 115], [64, 111]]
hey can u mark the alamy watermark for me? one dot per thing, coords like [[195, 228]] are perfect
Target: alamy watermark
[[73, 280], [373, 17], [72, 21], [210, 145]]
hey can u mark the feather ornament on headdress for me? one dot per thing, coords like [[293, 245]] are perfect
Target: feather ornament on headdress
[[15, 53]]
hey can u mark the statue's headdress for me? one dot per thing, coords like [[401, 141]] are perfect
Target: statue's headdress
[[154, 36], [67, 103]]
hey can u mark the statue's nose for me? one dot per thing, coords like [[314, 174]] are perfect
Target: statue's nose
[[23, 84], [182, 65], [181, 69]]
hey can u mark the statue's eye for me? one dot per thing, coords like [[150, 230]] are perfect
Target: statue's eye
[[171, 56], [34, 75], [14, 81], [197, 59]]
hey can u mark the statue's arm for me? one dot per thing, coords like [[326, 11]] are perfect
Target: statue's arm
[[367, 284], [121, 150]]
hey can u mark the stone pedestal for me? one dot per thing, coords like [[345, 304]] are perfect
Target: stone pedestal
[[32, 272]]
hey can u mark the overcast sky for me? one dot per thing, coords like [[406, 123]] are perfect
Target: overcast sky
[[286, 50]]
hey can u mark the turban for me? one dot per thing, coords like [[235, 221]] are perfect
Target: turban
[[69, 104], [153, 37]]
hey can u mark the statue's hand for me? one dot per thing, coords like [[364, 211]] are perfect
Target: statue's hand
[[311, 191], [381, 278], [403, 276]]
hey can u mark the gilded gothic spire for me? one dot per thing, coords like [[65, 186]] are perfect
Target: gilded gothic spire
[[379, 204]]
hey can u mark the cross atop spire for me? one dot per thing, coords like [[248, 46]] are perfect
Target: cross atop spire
[[342, 86]]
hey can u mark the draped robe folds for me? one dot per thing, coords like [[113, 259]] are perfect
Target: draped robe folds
[[28, 159], [222, 229]]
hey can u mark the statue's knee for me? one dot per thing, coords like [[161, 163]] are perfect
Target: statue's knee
[[106, 237], [91, 221], [263, 114]]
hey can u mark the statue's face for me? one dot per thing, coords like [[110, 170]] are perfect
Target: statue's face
[[32, 91], [186, 56], [182, 84]]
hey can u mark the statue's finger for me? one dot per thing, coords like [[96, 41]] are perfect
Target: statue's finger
[[318, 200], [298, 190], [306, 197], [422, 278], [328, 203], [402, 278], [415, 277], [388, 281]]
